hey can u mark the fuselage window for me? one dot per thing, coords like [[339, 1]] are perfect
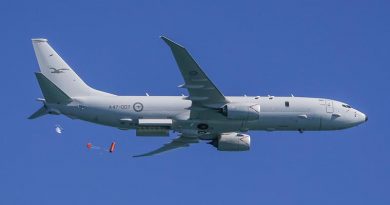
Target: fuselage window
[[287, 104]]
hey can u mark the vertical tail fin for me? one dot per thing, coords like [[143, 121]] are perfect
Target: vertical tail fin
[[58, 72]]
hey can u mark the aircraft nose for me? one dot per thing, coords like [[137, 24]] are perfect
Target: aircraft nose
[[363, 118], [360, 117]]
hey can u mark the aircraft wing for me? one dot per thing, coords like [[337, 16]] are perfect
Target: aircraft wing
[[181, 141], [202, 92]]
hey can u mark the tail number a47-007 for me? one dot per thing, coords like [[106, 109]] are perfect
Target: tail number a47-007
[[138, 107], [117, 107]]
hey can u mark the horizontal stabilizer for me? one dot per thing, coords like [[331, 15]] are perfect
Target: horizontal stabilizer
[[42, 111]]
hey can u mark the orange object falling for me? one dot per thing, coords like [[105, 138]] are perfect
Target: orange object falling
[[89, 145], [112, 147]]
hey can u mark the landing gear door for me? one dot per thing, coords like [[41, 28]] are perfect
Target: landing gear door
[[329, 106]]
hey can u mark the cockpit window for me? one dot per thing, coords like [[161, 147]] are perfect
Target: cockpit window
[[346, 106]]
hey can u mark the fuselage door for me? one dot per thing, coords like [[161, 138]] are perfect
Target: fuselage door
[[329, 106]]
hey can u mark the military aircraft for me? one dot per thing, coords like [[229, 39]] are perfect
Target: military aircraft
[[205, 114]]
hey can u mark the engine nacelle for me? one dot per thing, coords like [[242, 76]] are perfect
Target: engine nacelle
[[232, 142], [241, 111]]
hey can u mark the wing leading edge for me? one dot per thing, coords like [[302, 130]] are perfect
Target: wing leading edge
[[181, 141], [201, 89]]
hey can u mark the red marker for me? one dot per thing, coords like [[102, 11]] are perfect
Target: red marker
[[112, 147], [89, 145]]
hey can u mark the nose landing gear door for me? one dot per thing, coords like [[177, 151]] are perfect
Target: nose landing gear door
[[329, 106]]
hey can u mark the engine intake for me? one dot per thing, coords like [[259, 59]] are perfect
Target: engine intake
[[232, 142], [241, 111]]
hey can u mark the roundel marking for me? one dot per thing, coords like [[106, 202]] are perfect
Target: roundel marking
[[138, 107]]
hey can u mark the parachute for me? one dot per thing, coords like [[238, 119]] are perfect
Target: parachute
[[111, 149]]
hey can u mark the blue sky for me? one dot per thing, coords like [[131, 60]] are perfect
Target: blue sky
[[334, 49]]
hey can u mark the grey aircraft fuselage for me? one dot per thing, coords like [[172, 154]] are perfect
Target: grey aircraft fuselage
[[276, 113]]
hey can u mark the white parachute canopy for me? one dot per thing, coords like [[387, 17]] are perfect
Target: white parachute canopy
[[58, 129]]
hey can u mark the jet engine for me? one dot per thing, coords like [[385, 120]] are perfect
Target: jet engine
[[232, 142], [241, 111]]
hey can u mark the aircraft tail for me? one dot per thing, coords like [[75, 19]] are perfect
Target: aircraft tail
[[57, 79], [52, 94]]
